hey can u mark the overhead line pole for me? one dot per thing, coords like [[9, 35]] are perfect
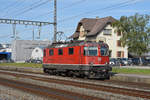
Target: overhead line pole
[[55, 21]]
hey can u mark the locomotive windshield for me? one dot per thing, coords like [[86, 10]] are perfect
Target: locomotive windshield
[[104, 51], [90, 51]]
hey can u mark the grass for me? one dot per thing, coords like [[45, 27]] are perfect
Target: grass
[[131, 71], [22, 65]]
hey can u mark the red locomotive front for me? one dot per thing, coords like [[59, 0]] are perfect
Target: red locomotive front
[[86, 59]]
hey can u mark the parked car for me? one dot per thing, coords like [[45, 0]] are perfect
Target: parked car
[[148, 61], [113, 62], [136, 61], [33, 61], [130, 61], [6, 61], [126, 61]]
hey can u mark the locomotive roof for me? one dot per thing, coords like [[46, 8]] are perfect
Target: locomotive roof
[[72, 43]]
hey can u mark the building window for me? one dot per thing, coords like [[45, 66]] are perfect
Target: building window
[[71, 51], [118, 43], [82, 32], [119, 54], [107, 31], [51, 52], [60, 51], [118, 33], [110, 53]]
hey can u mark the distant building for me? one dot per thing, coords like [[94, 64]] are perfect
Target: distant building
[[22, 49], [37, 53], [100, 29], [5, 52]]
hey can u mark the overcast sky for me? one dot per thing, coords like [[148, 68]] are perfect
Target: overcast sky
[[70, 12]]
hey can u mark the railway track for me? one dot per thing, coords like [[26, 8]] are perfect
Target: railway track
[[91, 88], [45, 92]]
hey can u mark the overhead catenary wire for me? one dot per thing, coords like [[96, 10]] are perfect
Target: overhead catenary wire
[[10, 5], [15, 5], [27, 6], [13, 8], [5, 36], [31, 8], [68, 6], [118, 5]]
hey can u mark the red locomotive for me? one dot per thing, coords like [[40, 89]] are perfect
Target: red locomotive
[[84, 59]]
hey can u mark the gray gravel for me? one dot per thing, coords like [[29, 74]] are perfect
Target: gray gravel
[[7, 93]]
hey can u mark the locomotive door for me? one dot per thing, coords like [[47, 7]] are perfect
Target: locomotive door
[[81, 56]]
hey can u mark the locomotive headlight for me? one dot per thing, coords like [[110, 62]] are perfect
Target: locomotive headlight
[[104, 70], [90, 63]]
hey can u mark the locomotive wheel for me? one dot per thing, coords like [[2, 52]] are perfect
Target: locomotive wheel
[[50, 72], [107, 77], [45, 70], [86, 77]]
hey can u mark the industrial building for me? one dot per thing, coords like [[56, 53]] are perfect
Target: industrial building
[[22, 49], [37, 53]]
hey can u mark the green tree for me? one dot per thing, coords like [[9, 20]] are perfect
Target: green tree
[[135, 33]]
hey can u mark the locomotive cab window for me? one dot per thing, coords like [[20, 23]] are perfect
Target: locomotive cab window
[[51, 52], [60, 51], [104, 51], [90, 51], [71, 51]]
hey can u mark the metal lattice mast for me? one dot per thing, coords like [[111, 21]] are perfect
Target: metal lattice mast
[[55, 21]]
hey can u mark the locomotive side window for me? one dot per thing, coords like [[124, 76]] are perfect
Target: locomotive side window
[[60, 51], [71, 51], [90, 51], [104, 51], [51, 52]]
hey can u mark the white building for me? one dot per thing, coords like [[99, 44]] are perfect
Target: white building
[[37, 53], [22, 49], [100, 29]]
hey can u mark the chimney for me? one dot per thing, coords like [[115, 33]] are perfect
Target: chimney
[[97, 17]]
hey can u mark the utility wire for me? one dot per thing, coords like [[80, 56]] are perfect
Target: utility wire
[[8, 6], [68, 6], [31, 8], [14, 12], [14, 7], [5, 9], [73, 4], [5, 36], [119, 5]]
